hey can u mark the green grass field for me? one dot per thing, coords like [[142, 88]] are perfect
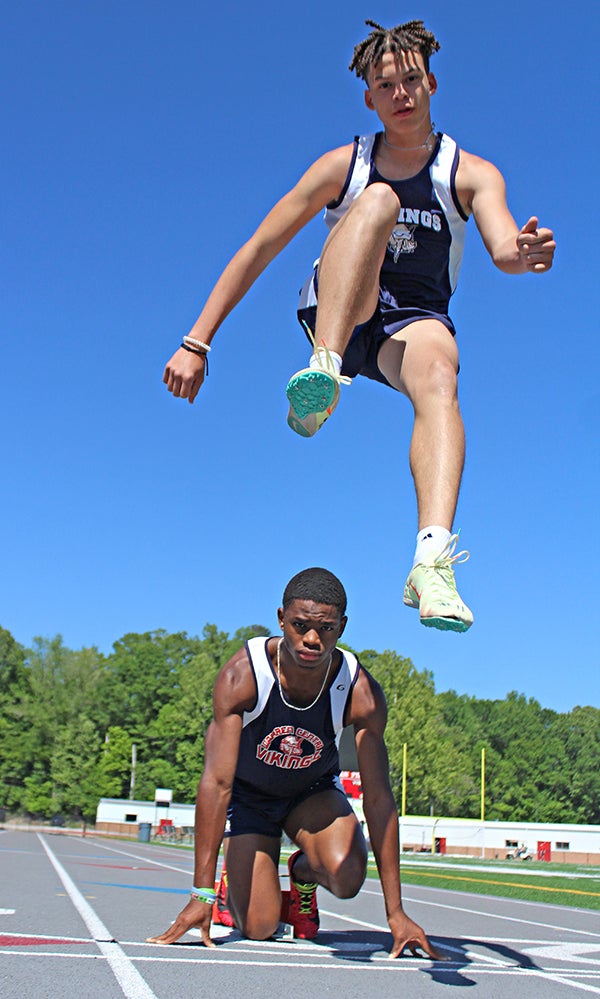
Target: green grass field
[[558, 884]]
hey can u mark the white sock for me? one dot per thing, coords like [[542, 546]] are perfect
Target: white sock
[[319, 360], [430, 542]]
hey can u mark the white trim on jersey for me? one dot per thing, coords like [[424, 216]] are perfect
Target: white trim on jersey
[[441, 173], [339, 690], [356, 182], [441, 178]]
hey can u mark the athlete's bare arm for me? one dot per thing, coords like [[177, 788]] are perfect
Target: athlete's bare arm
[[321, 183], [482, 192], [234, 693], [368, 714]]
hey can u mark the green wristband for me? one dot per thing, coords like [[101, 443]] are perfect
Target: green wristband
[[207, 895]]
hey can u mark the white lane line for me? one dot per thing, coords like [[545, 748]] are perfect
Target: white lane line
[[532, 903], [131, 982], [45, 936], [545, 976], [148, 860], [7, 912], [510, 919], [476, 868], [398, 967]]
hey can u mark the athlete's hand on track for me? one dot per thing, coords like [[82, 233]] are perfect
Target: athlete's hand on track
[[407, 933], [195, 915], [184, 374], [536, 246]]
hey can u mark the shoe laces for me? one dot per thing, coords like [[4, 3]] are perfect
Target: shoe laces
[[447, 555], [329, 365], [306, 894], [442, 567]]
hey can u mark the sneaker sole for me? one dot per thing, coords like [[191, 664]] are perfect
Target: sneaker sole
[[297, 426], [445, 623], [310, 392]]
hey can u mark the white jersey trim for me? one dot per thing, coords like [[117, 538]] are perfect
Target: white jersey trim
[[442, 177], [264, 676]]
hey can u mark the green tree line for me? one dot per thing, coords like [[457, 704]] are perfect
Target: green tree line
[[68, 720]]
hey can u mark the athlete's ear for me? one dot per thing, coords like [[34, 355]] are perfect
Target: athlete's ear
[[432, 83], [280, 617], [343, 623], [369, 100]]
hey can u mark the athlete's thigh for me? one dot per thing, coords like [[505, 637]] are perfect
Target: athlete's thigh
[[325, 828], [407, 356], [252, 869]]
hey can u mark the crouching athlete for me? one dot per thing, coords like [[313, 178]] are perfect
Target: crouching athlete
[[272, 767]]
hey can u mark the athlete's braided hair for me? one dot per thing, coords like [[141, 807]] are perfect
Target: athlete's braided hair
[[410, 37], [318, 585]]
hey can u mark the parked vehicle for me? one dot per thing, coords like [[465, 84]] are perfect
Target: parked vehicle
[[519, 853]]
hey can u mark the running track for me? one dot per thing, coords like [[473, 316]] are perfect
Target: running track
[[75, 912]]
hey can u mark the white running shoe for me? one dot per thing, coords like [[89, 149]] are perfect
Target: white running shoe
[[431, 588]]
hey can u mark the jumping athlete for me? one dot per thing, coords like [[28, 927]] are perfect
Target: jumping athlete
[[272, 766], [396, 203]]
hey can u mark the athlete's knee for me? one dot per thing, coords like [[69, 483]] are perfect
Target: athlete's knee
[[438, 380], [258, 926], [380, 203], [347, 877]]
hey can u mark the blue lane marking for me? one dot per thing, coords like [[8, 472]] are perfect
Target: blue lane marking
[[115, 884]]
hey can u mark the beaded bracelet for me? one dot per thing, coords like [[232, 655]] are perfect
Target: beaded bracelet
[[207, 895], [189, 340]]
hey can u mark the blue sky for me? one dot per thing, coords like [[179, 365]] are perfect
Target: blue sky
[[145, 143]]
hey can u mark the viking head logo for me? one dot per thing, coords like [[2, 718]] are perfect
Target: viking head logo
[[291, 745], [402, 240]]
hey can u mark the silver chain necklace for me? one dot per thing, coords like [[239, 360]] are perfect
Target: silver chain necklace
[[295, 707], [410, 149]]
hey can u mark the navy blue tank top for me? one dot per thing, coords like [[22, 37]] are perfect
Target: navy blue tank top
[[424, 252], [284, 750]]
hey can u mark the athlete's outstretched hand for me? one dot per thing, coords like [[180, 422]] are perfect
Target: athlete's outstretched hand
[[406, 933], [536, 246], [184, 374], [195, 915]]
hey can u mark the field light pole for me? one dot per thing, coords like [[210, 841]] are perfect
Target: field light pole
[[483, 785], [403, 809], [133, 763], [483, 802]]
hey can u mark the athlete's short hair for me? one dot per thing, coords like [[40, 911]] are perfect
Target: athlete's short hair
[[318, 585], [409, 37]]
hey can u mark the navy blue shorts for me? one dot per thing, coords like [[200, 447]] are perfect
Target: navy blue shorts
[[252, 812], [360, 356]]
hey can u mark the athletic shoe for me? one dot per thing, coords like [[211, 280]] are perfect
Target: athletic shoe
[[313, 394], [308, 426], [432, 589], [221, 914], [303, 913]]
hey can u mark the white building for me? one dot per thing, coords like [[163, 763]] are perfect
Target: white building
[[564, 843], [123, 817]]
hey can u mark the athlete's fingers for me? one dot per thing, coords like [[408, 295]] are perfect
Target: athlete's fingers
[[206, 938], [531, 225], [542, 241], [416, 944], [168, 937], [528, 234], [196, 386]]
